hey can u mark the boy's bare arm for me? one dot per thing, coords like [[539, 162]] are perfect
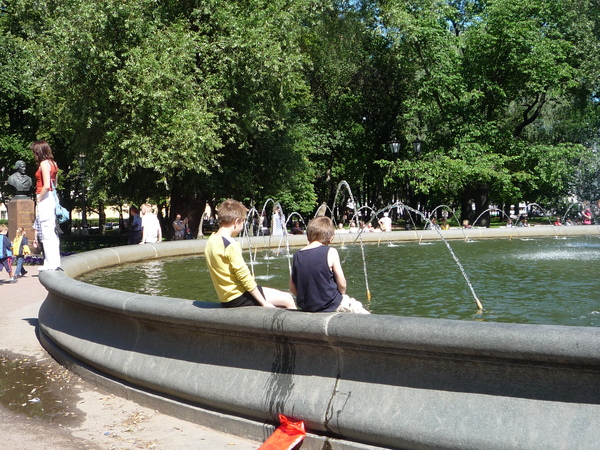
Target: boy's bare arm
[[293, 289], [333, 258]]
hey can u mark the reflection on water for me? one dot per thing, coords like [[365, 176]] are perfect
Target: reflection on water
[[153, 275], [543, 281]]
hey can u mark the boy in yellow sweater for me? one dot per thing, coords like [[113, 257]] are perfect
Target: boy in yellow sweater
[[229, 273]]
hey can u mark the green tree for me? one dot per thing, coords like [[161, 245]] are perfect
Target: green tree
[[185, 102], [356, 93], [178, 103], [17, 124], [481, 86]]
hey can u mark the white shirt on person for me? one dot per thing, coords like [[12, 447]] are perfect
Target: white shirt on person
[[150, 227]]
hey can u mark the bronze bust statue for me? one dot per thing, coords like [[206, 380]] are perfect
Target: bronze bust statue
[[20, 180]]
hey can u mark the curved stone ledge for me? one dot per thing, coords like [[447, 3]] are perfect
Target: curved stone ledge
[[357, 381]]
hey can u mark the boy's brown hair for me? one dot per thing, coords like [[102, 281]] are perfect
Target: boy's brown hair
[[229, 210], [320, 229]]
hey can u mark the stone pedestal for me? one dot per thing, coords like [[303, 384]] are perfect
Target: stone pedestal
[[21, 213]]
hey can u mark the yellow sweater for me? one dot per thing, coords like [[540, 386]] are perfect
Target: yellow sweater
[[228, 270], [16, 246]]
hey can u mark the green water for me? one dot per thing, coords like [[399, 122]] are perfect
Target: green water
[[538, 281]]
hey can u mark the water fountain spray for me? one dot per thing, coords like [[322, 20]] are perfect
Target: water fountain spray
[[564, 219], [456, 260], [344, 184], [324, 208], [460, 266]]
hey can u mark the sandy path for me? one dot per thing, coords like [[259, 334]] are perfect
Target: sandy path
[[83, 416]]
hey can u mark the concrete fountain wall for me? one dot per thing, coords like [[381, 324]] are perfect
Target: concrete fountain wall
[[357, 381]]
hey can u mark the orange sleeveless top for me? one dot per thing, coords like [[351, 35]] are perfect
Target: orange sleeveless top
[[39, 179]]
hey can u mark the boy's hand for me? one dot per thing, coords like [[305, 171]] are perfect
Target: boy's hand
[[268, 305]]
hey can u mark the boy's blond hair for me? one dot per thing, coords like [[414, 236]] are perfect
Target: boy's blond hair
[[3, 228], [320, 229], [229, 210]]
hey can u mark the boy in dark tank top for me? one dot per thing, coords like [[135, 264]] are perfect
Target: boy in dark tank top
[[318, 280]]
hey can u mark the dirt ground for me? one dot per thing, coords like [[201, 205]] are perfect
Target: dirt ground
[[44, 406]]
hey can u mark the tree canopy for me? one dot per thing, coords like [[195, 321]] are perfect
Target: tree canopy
[[185, 102]]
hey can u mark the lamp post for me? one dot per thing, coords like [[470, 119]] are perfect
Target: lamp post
[[417, 146], [84, 222], [395, 145]]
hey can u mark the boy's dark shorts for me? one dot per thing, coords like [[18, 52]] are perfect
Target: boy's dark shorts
[[7, 263], [246, 299]]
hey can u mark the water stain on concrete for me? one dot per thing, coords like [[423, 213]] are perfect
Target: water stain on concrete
[[44, 391]]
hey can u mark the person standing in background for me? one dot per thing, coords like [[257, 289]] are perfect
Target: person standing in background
[[278, 222], [135, 226], [587, 216], [385, 223], [45, 182], [151, 231], [178, 228]]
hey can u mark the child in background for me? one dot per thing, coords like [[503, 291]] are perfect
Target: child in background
[[20, 248], [229, 273], [317, 280], [5, 253]]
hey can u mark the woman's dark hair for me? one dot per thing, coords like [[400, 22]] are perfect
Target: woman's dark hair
[[42, 151]]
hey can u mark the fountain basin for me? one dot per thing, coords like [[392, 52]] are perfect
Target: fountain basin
[[356, 381]]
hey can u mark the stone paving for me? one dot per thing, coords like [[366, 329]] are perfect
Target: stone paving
[[87, 417]]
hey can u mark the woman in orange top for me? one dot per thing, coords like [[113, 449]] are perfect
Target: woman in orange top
[[45, 179]]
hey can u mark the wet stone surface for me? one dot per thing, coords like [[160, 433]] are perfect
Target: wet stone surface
[[48, 392]]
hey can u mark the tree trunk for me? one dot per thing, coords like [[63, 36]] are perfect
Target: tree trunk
[[479, 196], [101, 216], [466, 207], [190, 207], [482, 206]]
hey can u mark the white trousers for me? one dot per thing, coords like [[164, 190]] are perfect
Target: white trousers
[[46, 218]]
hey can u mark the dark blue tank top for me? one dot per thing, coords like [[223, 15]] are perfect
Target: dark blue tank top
[[315, 284]]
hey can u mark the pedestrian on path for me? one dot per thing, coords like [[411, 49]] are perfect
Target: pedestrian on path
[[5, 253], [45, 219], [20, 248]]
